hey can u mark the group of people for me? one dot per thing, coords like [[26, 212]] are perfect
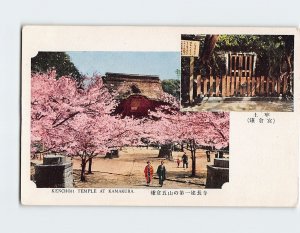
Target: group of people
[[161, 169], [161, 173], [185, 161]]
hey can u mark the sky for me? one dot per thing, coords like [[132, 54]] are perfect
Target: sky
[[163, 64]]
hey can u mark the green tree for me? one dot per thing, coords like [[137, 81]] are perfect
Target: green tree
[[274, 52], [60, 61], [172, 87]]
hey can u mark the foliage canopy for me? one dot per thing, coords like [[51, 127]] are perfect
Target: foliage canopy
[[275, 53], [59, 61]]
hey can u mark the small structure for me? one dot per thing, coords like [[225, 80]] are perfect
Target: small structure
[[217, 174], [55, 172], [166, 151], [137, 94], [114, 153]]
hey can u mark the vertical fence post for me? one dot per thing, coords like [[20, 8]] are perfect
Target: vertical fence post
[[257, 85], [278, 85], [211, 84], [250, 75], [205, 84], [244, 67], [268, 86], [242, 89], [231, 77], [228, 85], [191, 86], [223, 85], [284, 84], [253, 86], [217, 85], [262, 85], [273, 85], [198, 84]]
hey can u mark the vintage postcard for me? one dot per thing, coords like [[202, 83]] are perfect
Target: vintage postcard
[[160, 116]]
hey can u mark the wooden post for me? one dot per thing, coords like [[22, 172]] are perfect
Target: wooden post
[[211, 85], [250, 65], [191, 86], [237, 80], [253, 86], [232, 77], [278, 85], [223, 85], [232, 85], [273, 86], [228, 86], [247, 75], [268, 86], [257, 85], [262, 85], [198, 84], [205, 85], [250, 75], [285, 81], [241, 75], [217, 85]]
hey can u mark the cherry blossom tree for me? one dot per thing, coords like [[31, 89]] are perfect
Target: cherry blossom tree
[[167, 124], [65, 118], [79, 121], [206, 129]]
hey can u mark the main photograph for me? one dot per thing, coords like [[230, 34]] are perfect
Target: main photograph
[[113, 120]]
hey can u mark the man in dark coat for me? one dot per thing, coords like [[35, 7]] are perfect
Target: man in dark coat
[[185, 160], [208, 155], [161, 172]]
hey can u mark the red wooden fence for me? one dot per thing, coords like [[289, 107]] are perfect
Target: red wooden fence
[[240, 80], [237, 86]]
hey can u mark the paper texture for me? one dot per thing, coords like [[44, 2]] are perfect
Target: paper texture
[[261, 148]]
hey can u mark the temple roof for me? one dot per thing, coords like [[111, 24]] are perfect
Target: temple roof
[[133, 84]]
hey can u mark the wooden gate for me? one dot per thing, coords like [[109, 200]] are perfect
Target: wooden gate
[[239, 80]]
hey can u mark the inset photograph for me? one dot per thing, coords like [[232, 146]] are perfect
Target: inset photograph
[[252, 73]]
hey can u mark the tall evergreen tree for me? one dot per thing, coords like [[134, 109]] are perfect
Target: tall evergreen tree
[[60, 61]]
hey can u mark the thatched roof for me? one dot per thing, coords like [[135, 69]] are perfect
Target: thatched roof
[[133, 84]]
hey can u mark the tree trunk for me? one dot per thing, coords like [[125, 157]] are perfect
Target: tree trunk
[[90, 166], [193, 152], [289, 69], [288, 62], [209, 45], [83, 165]]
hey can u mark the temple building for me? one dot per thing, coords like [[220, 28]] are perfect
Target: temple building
[[137, 94]]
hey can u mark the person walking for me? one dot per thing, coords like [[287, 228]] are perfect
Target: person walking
[[185, 160], [208, 155], [148, 171], [161, 172], [178, 162]]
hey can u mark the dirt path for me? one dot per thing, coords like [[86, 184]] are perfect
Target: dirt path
[[239, 106], [127, 171]]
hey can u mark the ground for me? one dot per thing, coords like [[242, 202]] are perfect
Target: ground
[[127, 171], [267, 105]]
